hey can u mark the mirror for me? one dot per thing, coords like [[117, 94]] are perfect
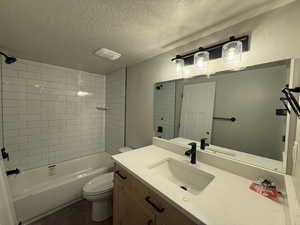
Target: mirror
[[239, 113]]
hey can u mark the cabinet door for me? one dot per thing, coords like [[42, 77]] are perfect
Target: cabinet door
[[135, 204], [173, 218], [116, 190], [131, 212]]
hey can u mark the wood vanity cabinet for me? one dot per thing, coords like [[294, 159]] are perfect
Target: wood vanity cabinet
[[136, 204]]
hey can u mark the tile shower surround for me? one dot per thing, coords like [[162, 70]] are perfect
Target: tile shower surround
[[45, 120]]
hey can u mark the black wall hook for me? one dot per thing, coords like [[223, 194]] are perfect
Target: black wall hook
[[292, 100]]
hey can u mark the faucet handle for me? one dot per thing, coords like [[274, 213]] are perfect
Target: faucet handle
[[188, 153], [193, 144], [203, 143]]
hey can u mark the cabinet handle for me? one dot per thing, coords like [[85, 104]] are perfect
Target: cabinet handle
[[149, 222], [160, 210], [120, 175]]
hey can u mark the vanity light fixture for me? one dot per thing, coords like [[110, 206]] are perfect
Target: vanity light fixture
[[201, 61], [232, 55], [230, 50]]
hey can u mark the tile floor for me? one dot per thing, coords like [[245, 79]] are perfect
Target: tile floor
[[78, 213]]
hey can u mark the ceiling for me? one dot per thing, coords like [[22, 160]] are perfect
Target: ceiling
[[68, 32]]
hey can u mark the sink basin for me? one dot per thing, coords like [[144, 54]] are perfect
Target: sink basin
[[182, 175]]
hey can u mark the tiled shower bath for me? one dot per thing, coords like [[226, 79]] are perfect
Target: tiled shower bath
[[50, 114]]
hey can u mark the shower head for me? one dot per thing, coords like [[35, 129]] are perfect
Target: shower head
[[8, 59]]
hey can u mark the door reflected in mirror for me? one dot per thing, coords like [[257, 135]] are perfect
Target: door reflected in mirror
[[240, 113]]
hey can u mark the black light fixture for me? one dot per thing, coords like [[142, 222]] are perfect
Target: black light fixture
[[214, 51]]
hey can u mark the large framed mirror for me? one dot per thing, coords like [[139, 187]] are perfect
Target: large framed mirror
[[240, 114]]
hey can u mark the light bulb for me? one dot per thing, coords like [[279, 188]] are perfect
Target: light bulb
[[201, 61], [232, 55], [179, 66]]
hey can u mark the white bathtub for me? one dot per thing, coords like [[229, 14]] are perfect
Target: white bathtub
[[40, 191]]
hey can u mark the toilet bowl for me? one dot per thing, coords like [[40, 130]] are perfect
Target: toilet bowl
[[99, 192]]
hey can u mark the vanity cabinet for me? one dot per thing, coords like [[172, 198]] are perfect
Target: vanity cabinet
[[135, 204]]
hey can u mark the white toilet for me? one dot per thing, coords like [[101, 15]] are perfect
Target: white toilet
[[99, 192]]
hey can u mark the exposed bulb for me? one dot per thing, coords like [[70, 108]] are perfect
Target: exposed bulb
[[200, 62], [231, 54]]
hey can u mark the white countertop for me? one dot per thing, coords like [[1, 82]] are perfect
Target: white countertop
[[227, 200]]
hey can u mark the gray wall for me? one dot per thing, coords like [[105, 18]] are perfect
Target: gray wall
[[274, 36], [115, 115], [252, 97]]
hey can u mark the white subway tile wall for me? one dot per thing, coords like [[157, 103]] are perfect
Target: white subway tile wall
[[45, 120], [115, 116]]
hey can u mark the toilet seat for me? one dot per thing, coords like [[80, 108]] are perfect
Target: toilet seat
[[99, 185]]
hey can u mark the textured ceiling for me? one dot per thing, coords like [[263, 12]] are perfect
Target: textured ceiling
[[67, 32]]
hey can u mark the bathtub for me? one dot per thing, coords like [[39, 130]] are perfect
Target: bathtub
[[41, 191]]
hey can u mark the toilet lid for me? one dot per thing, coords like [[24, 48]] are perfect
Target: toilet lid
[[99, 184]]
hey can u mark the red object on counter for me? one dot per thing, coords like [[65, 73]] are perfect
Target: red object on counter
[[270, 192]]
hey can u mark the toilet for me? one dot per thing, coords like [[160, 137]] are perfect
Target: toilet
[[99, 192]]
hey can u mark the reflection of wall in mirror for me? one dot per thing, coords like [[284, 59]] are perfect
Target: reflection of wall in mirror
[[164, 109], [252, 96]]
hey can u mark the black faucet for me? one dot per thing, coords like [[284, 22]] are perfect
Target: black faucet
[[203, 144], [192, 152]]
